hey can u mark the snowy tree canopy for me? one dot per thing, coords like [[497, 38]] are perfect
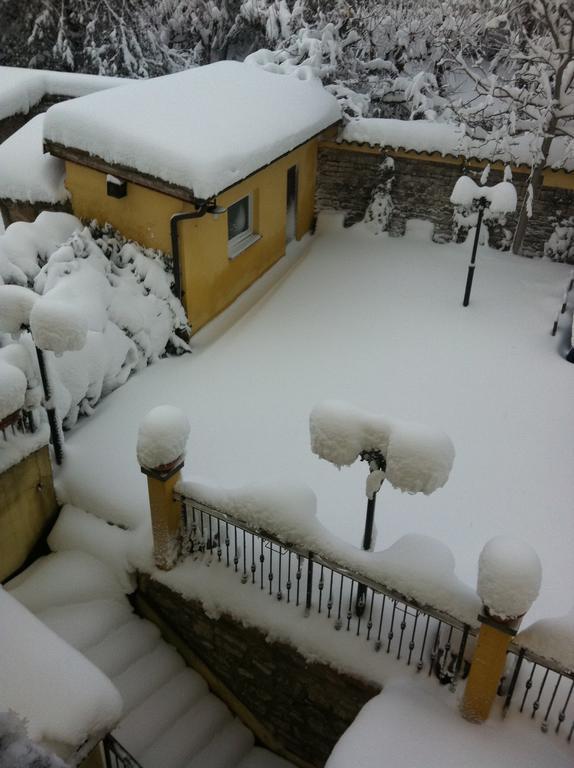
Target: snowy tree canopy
[[16, 749]]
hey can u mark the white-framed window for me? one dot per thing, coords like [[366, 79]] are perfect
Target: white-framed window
[[240, 234]]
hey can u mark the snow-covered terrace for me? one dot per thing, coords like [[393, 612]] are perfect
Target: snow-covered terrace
[[22, 89], [376, 321]]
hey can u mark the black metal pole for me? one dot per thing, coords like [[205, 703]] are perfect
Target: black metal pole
[[376, 458], [50, 410], [471, 266], [370, 519]]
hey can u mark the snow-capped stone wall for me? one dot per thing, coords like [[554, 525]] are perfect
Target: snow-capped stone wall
[[421, 189]]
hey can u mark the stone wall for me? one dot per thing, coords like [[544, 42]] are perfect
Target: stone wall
[[27, 511], [13, 123], [421, 189], [17, 210], [305, 706]]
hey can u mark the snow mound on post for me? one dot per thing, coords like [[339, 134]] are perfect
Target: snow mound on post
[[63, 696], [13, 384], [162, 437], [552, 639], [509, 576], [419, 458]]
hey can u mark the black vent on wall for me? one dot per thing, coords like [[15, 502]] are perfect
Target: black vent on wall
[[116, 187]]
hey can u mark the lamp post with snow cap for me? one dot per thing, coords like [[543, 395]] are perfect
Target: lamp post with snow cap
[[377, 466], [502, 199]]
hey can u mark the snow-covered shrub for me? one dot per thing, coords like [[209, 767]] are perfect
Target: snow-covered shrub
[[560, 244], [101, 303], [16, 748], [380, 208]]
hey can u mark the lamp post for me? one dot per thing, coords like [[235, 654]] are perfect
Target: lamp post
[[471, 267], [377, 463]]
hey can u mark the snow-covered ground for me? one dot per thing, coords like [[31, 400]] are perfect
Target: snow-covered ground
[[378, 322], [419, 726]]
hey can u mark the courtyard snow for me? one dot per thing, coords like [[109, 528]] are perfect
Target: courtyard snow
[[377, 322]]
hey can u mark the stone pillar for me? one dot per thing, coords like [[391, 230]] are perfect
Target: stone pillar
[[162, 439], [165, 514], [509, 577]]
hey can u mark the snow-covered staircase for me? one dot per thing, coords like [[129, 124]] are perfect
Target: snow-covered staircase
[[171, 720]]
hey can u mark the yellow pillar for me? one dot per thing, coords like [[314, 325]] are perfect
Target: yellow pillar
[[487, 668], [95, 759], [165, 514]]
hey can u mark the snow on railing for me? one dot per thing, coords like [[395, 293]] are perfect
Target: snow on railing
[[542, 678], [411, 604]]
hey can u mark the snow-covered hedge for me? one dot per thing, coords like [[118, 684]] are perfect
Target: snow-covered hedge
[[560, 244], [101, 303]]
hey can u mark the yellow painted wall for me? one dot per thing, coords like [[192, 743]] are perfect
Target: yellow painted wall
[[28, 507], [210, 279]]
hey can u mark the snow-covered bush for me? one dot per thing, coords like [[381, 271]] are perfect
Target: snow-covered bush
[[380, 208], [101, 303], [16, 748], [560, 244]]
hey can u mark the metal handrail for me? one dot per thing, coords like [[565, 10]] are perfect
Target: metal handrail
[[327, 562]]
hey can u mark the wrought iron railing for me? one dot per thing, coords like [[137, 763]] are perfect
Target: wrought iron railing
[[542, 689], [388, 621], [117, 756], [22, 422]]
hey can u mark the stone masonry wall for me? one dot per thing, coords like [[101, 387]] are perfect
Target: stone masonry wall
[[421, 189], [306, 706]]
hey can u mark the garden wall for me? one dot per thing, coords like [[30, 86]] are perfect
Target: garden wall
[[28, 509], [421, 187], [305, 707]]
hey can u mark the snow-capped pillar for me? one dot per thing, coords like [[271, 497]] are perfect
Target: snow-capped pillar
[[509, 577], [162, 438]]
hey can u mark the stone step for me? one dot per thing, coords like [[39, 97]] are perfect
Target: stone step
[[118, 650], [227, 747], [263, 758], [147, 674], [188, 736], [85, 624], [145, 724]]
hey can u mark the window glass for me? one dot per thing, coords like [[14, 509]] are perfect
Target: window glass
[[238, 218]]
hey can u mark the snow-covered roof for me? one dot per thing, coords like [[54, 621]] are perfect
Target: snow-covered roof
[[203, 129], [28, 173], [63, 696], [451, 139], [21, 89]]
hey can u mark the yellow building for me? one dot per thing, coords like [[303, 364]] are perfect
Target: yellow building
[[215, 166]]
